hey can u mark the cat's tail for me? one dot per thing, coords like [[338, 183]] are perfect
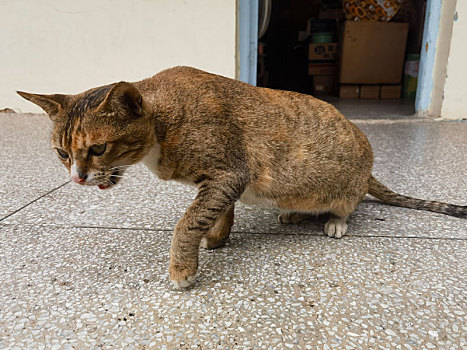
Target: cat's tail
[[378, 190]]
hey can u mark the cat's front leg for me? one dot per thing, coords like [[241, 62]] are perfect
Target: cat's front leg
[[219, 233], [214, 198]]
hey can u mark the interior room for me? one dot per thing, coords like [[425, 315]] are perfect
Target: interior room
[[358, 55]]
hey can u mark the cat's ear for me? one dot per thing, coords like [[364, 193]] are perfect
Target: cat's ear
[[51, 104], [124, 97]]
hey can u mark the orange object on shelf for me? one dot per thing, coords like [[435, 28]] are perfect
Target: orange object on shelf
[[371, 10]]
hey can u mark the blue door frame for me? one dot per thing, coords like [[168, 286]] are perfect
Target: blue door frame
[[247, 22], [427, 56]]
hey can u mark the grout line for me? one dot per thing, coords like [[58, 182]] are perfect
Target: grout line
[[35, 200], [393, 121], [123, 228], [409, 237], [240, 232]]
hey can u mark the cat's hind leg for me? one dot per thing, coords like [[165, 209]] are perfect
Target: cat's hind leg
[[219, 234], [336, 226], [298, 210], [340, 210], [292, 217]]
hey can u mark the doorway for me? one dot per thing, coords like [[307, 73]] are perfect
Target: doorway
[[287, 30]]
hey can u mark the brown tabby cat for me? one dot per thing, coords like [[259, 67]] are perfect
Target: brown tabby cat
[[232, 140]]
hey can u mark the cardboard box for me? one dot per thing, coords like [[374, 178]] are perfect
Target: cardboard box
[[318, 52], [322, 84], [322, 69], [390, 91], [349, 91], [373, 53], [369, 91]]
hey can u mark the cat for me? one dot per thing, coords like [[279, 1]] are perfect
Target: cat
[[232, 140]]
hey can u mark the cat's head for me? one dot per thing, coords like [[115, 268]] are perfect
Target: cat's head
[[99, 133]]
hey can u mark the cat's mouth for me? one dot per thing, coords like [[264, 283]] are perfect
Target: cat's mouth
[[111, 181]]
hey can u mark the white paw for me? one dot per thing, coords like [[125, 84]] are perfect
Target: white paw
[[204, 243], [183, 284], [335, 228], [291, 217]]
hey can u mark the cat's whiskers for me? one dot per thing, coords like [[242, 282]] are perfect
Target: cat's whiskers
[[106, 178], [121, 167], [100, 178]]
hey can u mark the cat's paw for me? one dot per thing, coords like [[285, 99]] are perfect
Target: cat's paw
[[184, 283], [211, 243], [335, 228], [181, 278], [292, 217]]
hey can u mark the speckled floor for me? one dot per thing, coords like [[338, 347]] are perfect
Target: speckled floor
[[82, 268]]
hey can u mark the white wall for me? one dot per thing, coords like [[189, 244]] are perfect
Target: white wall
[[454, 105], [69, 46]]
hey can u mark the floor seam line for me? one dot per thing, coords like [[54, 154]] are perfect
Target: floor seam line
[[241, 232], [396, 121], [35, 200]]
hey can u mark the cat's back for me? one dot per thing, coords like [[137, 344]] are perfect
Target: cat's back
[[284, 116], [193, 88], [188, 84], [196, 96], [278, 133]]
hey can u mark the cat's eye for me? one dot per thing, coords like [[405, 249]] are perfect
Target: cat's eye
[[62, 153], [98, 150]]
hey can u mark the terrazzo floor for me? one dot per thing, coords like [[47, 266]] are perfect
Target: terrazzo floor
[[83, 269]]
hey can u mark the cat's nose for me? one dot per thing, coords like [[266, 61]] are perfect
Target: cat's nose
[[79, 178]]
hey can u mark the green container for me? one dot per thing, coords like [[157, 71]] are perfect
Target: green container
[[409, 89], [321, 38]]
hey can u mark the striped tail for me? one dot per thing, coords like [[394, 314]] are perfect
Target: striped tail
[[378, 190]]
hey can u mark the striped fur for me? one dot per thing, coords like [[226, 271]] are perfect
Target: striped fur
[[378, 190]]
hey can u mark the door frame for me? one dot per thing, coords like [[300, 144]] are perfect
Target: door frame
[[247, 43], [436, 42]]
